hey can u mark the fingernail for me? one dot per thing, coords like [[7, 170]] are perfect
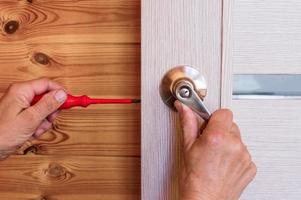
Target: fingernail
[[60, 96]]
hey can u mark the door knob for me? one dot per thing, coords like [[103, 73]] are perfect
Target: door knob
[[186, 84]]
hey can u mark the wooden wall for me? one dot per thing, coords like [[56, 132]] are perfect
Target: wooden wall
[[91, 47]]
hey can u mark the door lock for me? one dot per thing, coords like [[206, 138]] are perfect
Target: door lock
[[186, 84]]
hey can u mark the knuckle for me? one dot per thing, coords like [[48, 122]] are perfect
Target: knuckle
[[215, 138], [237, 145], [247, 157], [235, 126], [14, 88], [253, 169], [48, 104]]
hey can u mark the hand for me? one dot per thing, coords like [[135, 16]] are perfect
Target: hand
[[19, 121], [216, 163]]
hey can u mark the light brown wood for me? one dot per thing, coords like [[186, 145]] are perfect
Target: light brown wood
[[69, 177], [89, 21], [95, 131], [108, 70], [90, 47], [174, 32]]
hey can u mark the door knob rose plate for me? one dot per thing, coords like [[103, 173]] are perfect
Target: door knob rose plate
[[186, 84]]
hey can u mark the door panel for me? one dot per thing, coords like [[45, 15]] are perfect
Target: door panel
[[263, 37], [174, 32], [91, 47], [271, 130], [266, 36]]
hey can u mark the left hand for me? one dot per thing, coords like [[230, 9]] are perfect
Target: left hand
[[19, 121]]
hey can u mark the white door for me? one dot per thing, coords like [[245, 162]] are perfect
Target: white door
[[264, 37], [224, 38]]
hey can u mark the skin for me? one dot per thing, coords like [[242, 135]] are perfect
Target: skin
[[216, 164], [20, 121]]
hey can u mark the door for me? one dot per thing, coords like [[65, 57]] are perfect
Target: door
[[263, 38], [91, 47], [225, 40]]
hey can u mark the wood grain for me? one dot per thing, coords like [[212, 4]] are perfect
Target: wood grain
[[263, 37], [57, 21], [90, 47], [267, 36], [271, 130], [96, 131], [108, 70], [70, 177], [227, 54], [174, 32]]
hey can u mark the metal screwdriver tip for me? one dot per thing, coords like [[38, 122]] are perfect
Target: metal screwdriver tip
[[136, 100]]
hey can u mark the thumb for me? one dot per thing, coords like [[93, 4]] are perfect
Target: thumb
[[190, 124], [48, 104]]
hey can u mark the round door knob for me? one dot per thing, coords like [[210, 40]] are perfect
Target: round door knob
[[186, 84]]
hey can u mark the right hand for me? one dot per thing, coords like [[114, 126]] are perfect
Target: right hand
[[19, 120], [217, 165]]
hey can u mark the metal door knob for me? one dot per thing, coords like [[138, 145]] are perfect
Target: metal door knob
[[186, 84]]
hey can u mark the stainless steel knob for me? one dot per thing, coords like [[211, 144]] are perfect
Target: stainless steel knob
[[186, 84]]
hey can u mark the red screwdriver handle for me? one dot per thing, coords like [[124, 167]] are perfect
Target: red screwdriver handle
[[84, 101], [71, 101]]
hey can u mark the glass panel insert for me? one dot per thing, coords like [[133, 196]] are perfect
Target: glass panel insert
[[267, 86]]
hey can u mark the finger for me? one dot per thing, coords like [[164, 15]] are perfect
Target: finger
[[235, 130], [20, 95], [44, 127], [48, 104], [53, 116], [190, 124], [40, 86], [220, 122]]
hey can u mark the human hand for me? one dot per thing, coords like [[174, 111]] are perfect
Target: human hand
[[216, 163], [19, 121]]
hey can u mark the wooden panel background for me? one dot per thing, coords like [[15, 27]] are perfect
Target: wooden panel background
[[264, 37], [91, 47], [174, 32]]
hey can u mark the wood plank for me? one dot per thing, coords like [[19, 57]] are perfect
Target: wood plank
[[98, 70], [271, 130], [108, 70], [98, 130], [91, 47], [174, 32], [267, 37], [56, 21], [69, 177]]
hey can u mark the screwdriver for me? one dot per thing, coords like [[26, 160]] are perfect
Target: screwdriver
[[84, 101]]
